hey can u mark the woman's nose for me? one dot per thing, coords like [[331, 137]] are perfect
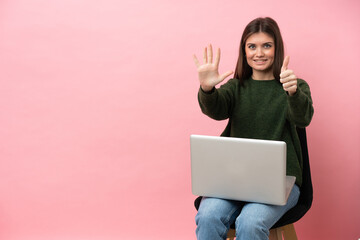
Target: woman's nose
[[259, 52]]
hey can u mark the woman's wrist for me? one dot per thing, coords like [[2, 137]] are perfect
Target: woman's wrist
[[207, 89]]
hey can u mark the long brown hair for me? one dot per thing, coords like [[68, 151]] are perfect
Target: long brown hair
[[266, 25]]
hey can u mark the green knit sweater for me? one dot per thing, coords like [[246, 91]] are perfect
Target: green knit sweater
[[262, 110]]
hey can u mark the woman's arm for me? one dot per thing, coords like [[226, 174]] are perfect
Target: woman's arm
[[301, 108], [299, 97], [218, 103], [213, 102]]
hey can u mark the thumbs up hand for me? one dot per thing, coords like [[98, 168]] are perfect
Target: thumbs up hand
[[288, 78]]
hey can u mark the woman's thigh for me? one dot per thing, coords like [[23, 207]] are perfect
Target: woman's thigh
[[225, 210], [265, 213]]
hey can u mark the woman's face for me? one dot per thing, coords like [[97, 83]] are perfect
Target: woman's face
[[260, 52]]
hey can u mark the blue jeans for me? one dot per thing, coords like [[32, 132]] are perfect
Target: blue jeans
[[252, 220]]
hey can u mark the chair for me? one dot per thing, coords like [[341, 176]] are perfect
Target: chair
[[288, 231], [285, 225]]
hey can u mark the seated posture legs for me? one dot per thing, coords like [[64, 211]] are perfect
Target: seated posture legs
[[252, 220]]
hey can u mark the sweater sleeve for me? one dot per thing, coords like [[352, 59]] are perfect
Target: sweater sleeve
[[218, 103], [300, 105]]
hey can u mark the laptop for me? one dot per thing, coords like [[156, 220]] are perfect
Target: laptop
[[240, 169]]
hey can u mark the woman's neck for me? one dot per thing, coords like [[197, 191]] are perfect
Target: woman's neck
[[261, 75]]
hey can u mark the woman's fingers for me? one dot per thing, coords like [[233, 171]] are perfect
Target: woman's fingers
[[289, 81], [288, 78], [208, 70], [286, 74], [291, 88], [217, 58], [205, 55], [210, 54], [290, 84], [285, 63]]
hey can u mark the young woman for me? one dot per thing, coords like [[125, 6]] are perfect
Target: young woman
[[264, 100]]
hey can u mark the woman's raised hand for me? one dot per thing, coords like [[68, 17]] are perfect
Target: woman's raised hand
[[208, 71], [288, 78]]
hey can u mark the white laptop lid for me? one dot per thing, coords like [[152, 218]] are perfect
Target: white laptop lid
[[240, 169]]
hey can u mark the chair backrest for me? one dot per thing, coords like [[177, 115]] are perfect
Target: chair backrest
[[306, 189]]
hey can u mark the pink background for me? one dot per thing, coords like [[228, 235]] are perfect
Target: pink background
[[98, 99]]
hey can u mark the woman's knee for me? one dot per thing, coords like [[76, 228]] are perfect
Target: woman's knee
[[247, 226], [215, 212], [206, 218], [209, 216], [210, 224]]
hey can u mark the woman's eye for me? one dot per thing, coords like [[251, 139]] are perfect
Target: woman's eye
[[252, 46], [267, 45]]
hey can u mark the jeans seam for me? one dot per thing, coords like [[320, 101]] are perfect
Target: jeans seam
[[227, 220]]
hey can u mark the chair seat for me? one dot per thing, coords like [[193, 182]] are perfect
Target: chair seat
[[287, 231]]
